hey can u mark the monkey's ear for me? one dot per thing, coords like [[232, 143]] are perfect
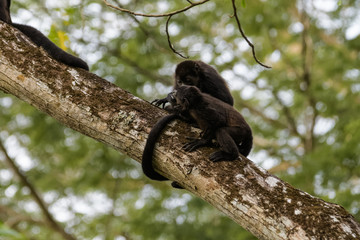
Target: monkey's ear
[[193, 91], [186, 103]]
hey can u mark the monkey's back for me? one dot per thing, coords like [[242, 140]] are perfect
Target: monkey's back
[[214, 84], [224, 112]]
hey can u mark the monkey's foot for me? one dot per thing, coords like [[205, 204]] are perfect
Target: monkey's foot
[[193, 145], [222, 156]]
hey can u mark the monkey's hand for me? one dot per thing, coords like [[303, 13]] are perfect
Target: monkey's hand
[[158, 102], [193, 145]]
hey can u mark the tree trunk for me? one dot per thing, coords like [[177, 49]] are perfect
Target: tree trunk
[[258, 201]]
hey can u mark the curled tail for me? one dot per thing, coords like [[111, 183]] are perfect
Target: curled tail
[[54, 51], [146, 162]]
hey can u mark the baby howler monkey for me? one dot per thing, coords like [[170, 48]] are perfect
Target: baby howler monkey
[[218, 120], [193, 73], [41, 40]]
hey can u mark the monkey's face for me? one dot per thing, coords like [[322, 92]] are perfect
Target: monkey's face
[[187, 79], [186, 97], [179, 101]]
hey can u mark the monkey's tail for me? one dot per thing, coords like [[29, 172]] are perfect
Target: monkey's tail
[[5, 11], [54, 51], [146, 162], [246, 145]]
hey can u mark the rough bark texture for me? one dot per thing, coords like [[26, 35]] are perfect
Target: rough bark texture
[[257, 200]]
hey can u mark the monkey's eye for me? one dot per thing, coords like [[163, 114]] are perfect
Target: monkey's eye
[[188, 80], [184, 80]]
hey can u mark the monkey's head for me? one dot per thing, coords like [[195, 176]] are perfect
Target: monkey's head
[[186, 97], [187, 73]]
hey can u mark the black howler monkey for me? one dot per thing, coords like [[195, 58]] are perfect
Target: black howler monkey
[[40, 39], [194, 73], [203, 76], [218, 120]]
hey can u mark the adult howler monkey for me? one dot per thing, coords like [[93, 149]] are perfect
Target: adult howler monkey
[[41, 40], [194, 73], [203, 76]]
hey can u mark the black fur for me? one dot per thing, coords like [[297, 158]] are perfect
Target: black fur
[[41, 40], [5, 11], [203, 76], [149, 148], [194, 73], [218, 121], [54, 51]]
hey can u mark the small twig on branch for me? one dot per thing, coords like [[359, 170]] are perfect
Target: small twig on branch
[[169, 15], [168, 38], [145, 31], [49, 218], [156, 15], [244, 36]]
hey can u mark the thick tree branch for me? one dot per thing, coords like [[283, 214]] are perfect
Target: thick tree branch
[[255, 199]]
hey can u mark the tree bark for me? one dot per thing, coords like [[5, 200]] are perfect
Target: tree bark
[[258, 201]]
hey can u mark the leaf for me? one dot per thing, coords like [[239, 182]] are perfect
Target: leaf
[[62, 39], [58, 37]]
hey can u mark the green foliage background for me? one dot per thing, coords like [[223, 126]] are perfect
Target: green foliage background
[[97, 193]]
